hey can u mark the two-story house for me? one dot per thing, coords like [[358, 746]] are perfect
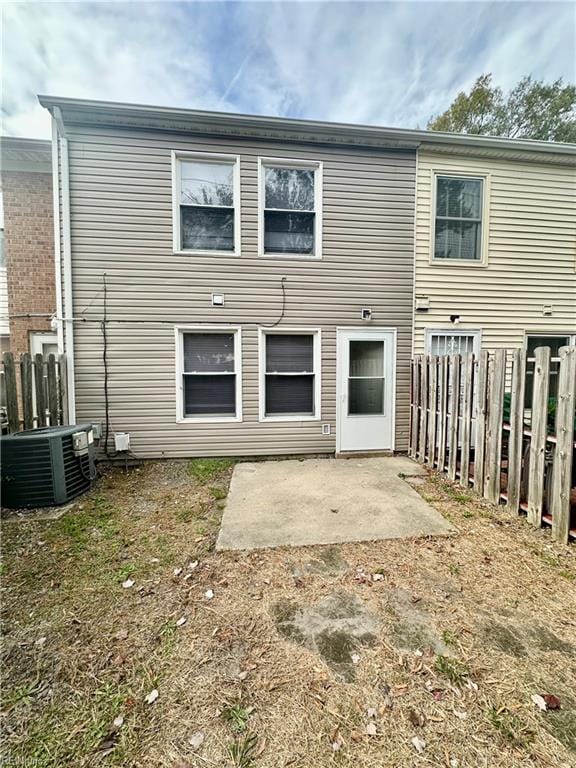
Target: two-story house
[[237, 285]]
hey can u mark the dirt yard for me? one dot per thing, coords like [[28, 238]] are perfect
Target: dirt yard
[[127, 641]]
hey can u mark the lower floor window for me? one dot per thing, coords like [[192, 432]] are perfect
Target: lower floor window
[[452, 342], [209, 373], [290, 375]]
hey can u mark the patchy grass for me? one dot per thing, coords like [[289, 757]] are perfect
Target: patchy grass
[[80, 651], [207, 470]]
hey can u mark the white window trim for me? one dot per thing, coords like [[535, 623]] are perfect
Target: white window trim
[[485, 218], [233, 160], [476, 333], [313, 165], [316, 333], [179, 331]]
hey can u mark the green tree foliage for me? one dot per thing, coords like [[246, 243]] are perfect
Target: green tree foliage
[[533, 109]]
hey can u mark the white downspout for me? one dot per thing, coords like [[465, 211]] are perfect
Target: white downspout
[[57, 253], [67, 271]]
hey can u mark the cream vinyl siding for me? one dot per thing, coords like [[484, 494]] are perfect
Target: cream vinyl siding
[[121, 225], [530, 231]]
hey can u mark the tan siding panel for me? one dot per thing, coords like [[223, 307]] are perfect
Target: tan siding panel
[[531, 254], [121, 225]]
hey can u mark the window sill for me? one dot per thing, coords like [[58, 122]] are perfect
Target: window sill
[[458, 262], [263, 419], [209, 420], [206, 253], [298, 256]]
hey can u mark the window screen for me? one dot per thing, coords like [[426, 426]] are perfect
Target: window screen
[[289, 374], [206, 205], [289, 210], [458, 227], [209, 374]]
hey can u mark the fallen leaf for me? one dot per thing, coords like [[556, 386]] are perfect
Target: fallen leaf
[[371, 729], [181, 621], [416, 718], [243, 675], [377, 577], [209, 594], [128, 583], [336, 745], [355, 736], [552, 702], [539, 702], [176, 572], [371, 712], [122, 634], [197, 739], [152, 696], [40, 642], [154, 559], [355, 658], [193, 565], [419, 744], [460, 714], [118, 722]]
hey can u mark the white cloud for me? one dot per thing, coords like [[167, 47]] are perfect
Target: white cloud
[[393, 63]]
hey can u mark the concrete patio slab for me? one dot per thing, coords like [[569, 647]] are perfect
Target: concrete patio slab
[[325, 501]]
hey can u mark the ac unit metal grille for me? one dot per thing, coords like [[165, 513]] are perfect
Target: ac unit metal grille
[[75, 481]]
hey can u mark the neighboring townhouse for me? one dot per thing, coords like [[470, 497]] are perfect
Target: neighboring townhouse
[[496, 251], [27, 277], [237, 285]]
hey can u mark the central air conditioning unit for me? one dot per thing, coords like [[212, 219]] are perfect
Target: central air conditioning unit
[[47, 466]]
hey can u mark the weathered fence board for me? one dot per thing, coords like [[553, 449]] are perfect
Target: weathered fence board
[[563, 455], [27, 398], [461, 411], [539, 428], [454, 408], [423, 407], [443, 405], [497, 373], [466, 416], [481, 414], [432, 413], [41, 398], [515, 439]]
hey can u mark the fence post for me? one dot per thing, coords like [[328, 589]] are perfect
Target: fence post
[[467, 379], [494, 431], [63, 381], [11, 394], [515, 440], [433, 400], [40, 390], [562, 468], [454, 409], [443, 408], [52, 391], [27, 399], [538, 429], [423, 409], [481, 414]]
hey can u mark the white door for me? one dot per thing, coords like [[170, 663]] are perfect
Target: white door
[[366, 360]]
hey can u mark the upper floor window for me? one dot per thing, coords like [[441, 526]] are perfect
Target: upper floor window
[[458, 221], [290, 208], [206, 203]]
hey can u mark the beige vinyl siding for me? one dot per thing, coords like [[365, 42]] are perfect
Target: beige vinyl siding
[[121, 225], [531, 253]]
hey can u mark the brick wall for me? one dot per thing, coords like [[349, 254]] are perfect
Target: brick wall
[[29, 245]]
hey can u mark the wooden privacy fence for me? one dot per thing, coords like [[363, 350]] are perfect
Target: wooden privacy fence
[[32, 392], [470, 420]]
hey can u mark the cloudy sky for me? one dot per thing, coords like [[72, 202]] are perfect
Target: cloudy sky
[[387, 63]]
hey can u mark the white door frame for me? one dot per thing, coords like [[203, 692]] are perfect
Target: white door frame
[[367, 331], [37, 338]]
